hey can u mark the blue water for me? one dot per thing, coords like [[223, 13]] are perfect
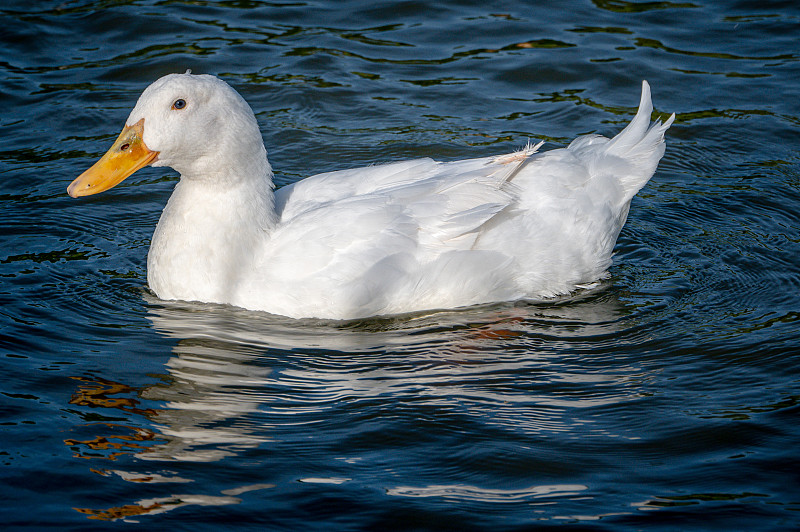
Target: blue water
[[666, 399]]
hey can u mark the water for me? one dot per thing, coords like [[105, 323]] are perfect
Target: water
[[666, 399]]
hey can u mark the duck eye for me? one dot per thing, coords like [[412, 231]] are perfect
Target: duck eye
[[179, 104]]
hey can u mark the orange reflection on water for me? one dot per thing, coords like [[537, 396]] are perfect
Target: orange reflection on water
[[165, 504], [119, 512], [95, 393], [126, 444]]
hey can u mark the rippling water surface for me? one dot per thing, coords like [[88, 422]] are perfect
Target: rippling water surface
[[666, 399]]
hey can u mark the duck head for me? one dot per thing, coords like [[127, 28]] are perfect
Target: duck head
[[196, 124]]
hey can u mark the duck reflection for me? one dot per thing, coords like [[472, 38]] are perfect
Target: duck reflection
[[235, 378], [229, 365], [206, 396], [202, 397]]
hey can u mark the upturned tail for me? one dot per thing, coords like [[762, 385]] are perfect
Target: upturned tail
[[632, 155], [641, 144]]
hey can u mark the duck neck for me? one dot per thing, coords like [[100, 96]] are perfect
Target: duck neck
[[237, 196], [210, 231]]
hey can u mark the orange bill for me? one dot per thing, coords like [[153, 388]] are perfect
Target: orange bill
[[128, 154]]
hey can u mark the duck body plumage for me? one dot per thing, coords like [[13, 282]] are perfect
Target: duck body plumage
[[385, 239]]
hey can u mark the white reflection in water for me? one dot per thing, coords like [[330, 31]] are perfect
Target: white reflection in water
[[207, 392], [464, 492], [240, 380], [230, 366]]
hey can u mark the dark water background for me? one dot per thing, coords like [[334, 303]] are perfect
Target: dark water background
[[666, 400]]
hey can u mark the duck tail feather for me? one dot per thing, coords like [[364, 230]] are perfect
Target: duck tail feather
[[641, 144]]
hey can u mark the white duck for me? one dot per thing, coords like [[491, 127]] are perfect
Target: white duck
[[384, 239]]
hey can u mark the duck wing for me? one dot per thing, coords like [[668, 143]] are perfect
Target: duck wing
[[384, 239]]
